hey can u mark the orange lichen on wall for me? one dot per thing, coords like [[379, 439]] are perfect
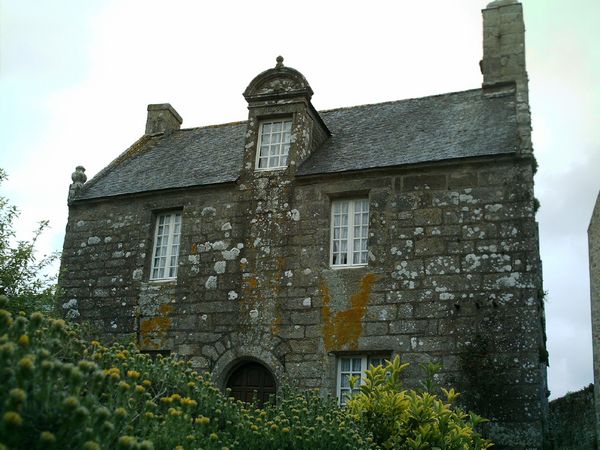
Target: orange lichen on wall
[[276, 324], [252, 282], [154, 329], [342, 329]]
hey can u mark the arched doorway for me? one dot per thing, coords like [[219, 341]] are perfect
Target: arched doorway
[[251, 382]]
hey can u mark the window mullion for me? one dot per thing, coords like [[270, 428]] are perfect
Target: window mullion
[[351, 210], [363, 367], [332, 233], [339, 379], [170, 244]]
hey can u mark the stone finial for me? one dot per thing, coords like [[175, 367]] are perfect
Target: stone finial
[[279, 64], [79, 178]]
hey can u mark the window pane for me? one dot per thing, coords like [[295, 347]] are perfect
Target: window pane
[[376, 361], [345, 381], [345, 364], [356, 362]]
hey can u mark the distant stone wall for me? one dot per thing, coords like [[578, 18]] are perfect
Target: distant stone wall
[[572, 423], [594, 252]]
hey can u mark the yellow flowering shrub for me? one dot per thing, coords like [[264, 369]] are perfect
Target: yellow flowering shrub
[[59, 391]]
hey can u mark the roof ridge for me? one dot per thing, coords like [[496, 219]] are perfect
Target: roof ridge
[[218, 125], [340, 108]]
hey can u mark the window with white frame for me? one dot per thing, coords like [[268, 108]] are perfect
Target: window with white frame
[[274, 144], [165, 252], [353, 366], [349, 232]]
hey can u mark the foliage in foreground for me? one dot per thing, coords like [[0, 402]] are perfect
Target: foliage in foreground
[[415, 420], [22, 276], [60, 392]]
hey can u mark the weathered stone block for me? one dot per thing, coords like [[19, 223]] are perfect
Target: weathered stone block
[[430, 246], [424, 182]]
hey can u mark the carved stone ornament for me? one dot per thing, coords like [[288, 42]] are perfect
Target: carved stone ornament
[[79, 178]]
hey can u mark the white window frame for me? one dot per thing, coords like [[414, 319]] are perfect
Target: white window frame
[[350, 239], [366, 361], [167, 262], [270, 145]]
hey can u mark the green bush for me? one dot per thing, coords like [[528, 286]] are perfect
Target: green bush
[[412, 419], [23, 276]]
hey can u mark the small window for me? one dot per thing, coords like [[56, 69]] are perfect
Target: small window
[[165, 253], [274, 145], [349, 232], [353, 366]]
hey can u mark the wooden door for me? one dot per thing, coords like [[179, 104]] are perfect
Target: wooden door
[[251, 382]]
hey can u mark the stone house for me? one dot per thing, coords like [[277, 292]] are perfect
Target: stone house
[[301, 246]]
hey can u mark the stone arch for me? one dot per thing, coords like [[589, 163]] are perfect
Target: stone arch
[[234, 357]]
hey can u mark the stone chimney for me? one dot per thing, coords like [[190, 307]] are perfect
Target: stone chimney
[[162, 118], [503, 62]]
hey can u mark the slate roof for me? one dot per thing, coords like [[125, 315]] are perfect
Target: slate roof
[[437, 128]]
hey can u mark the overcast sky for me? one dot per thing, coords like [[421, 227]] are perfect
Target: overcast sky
[[76, 76]]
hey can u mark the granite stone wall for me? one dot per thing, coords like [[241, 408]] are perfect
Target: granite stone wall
[[453, 276], [594, 256], [572, 421]]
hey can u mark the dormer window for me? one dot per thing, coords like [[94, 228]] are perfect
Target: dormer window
[[274, 144]]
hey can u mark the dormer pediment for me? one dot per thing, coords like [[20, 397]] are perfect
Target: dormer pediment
[[278, 83]]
